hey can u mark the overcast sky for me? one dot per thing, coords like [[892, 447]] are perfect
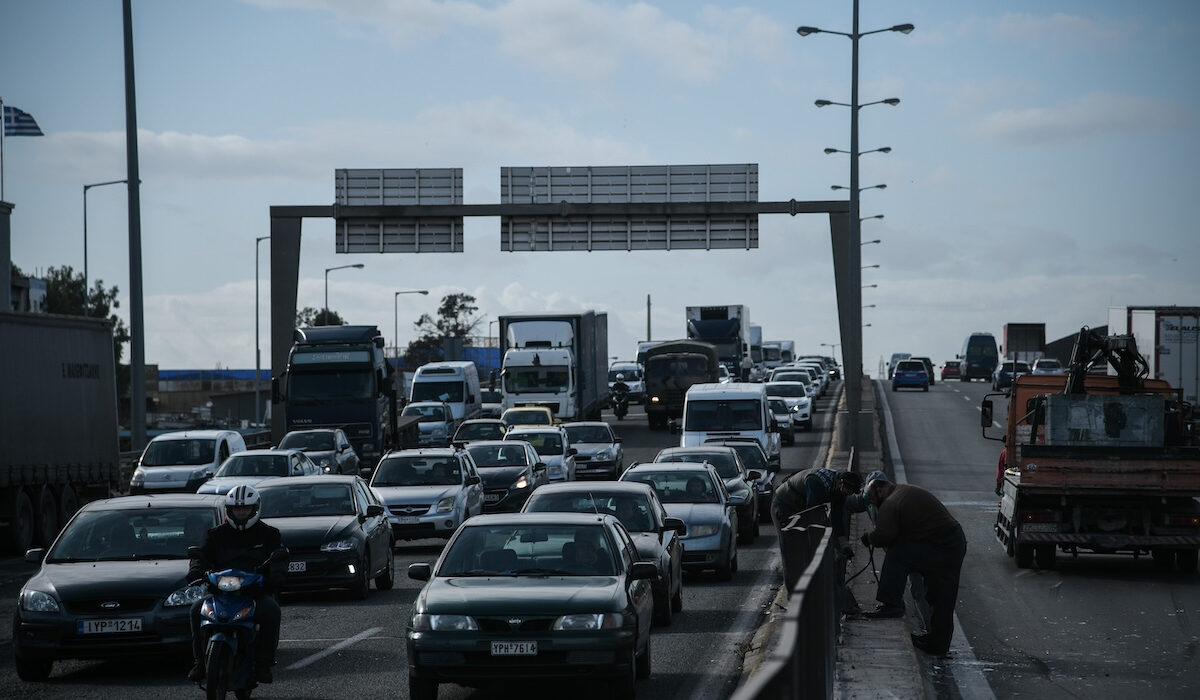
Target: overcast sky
[[1044, 160]]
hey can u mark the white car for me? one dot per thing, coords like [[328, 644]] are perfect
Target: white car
[[552, 445], [784, 416], [795, 395], [428, 492], [252, 466]]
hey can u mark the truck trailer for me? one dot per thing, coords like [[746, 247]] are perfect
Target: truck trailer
[[727, 328], [556, 360], [671, 368], [1167, 337], [58, 422]]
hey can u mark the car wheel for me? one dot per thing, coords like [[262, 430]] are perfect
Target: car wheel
[[422, 688], [1044, 555], [624, 685], [662, 611], [387, 578], [677, 598], [20, 529], [643, 662], [46, 522], [1023, 555], [33, 669], [925, 388], [362, 582], [726, 571]]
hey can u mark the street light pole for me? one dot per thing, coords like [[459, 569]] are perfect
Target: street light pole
[[257, 351], [396, 321], [86, 305], [357, 266]]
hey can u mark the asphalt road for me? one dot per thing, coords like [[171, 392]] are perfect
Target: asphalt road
[[1095, 627], [334, 647]]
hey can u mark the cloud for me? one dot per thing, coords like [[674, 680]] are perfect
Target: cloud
[[1057, 28], [1084, 118]]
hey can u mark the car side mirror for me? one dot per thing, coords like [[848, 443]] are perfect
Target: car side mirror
[[419, 572], [571, 452], [676, 524], [985, 414], [374, 510], [641, 570], [35, 556], [618, 439], [473, 479], [539, 466], [754, 475]]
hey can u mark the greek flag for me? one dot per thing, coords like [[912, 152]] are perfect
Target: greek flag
[[18, 123]]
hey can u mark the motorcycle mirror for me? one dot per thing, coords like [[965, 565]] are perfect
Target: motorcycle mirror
[[193, 552]]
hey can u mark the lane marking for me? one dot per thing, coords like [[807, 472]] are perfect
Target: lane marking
[[335, 648]]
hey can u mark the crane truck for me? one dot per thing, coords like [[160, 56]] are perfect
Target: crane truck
[[1099, 463]]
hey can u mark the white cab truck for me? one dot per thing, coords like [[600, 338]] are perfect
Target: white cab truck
[[556, 360], [1169, 338]]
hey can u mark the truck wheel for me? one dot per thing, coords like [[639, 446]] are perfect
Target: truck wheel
[[46, 522], [1024, 556], [20, 527], [68, 503], [1164, 559], [1044, 554], [1187, 559]]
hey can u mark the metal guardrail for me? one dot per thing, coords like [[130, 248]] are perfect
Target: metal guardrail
[[802, 664]]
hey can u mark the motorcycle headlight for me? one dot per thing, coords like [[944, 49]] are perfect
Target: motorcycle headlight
[[184, 596], [424, 622], [38, 601], [342, 545], [591, 621], [702, 530], [138, 478], [229, 583], [446, 504]]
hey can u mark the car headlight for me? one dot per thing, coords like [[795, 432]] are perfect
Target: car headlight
[[446, 504], [604, 455], [591, 621], [655, 399], [702, 530], [522, 483], [138, 478], [37, 601], [184, 596], [424, 622], [342, 545]]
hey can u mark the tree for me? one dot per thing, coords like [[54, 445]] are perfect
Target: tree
[[455, 319], [65, 293], [318, 317]]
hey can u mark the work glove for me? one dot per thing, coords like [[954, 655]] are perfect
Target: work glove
[[865, 539]]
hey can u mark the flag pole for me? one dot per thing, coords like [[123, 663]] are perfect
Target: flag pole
[[3, 128]]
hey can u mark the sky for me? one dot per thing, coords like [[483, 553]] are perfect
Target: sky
[[1042, 168]]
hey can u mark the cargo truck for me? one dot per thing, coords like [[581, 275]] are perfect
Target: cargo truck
[[556, 360], [671, 368], [58, 422], [727, 328], [756, 352], [1167, 337], [1098, 463]]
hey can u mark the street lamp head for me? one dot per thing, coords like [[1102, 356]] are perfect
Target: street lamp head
[[822, 103], [838, 187], [893, 101], [868, 267], [805, 31], [874, 241], [357, 266], [902, 28], [870, 286], [829, 151], [885, 149], [876, 216]]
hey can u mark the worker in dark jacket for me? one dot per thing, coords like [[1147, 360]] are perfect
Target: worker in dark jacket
[[242, 542], [804, 490], [921, 536]]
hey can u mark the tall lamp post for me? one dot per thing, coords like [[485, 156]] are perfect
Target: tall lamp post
[[357, 266], [852, 326], [86, 304], [257, 351], [396, 320]]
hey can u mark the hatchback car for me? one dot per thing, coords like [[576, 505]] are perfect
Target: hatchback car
[[479, 429], [598, 451], [510, 471], [114, 583], [796, 396], [1002, 378], [696, 494], [428, 492], [336, 531], [1047, 365], [739, 482], [553, 447], [253, 466], [533, 595], [655, 534], [910, 373], [951, 369], [328, 448], [435, 420]]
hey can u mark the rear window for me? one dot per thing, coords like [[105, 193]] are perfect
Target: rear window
[[911, 365]]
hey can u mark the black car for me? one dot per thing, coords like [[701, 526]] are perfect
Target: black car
[[656, 534], [754, 457], [328, 448], [741, 483], [336, 532], [510, 471], [1002, 378], [114, 583]]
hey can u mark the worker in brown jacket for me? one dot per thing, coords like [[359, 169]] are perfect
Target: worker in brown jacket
[[921, 536]]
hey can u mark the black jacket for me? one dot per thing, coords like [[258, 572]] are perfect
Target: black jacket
[[227, 548]]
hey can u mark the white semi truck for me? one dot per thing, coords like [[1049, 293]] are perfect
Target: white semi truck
[[556, 360]]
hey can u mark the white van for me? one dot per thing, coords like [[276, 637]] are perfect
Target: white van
[[182, 461], [456, 383], [713, 412]]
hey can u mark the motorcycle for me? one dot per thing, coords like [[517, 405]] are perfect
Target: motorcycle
[[228, 624], [620, 403]]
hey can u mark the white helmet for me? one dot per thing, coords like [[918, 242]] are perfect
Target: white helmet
[[240, 497], [620, 377]]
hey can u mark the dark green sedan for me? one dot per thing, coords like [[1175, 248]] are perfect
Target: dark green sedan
[[532, 595]]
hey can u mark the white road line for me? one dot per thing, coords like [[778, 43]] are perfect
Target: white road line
[[335, 648]]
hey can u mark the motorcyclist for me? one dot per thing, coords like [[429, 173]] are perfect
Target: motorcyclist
[[242, 542], [619, 386]]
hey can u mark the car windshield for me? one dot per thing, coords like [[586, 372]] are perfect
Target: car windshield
[[418, 471], [301, 500], [526, 418], [777, 405], [498, 455], [309, 442], [1048, 364], [311, 387], [723, 461], [588, 433], [632, 510], [450, 392], [525, 549], [544, 443], [630, 375], [479, 431], [518, 380], [133, 533], [804, 377], [752, 455], [254, 465], [425, 414], [782, 389], [678, 486], [910, 366], [168, 453], [734, 414]]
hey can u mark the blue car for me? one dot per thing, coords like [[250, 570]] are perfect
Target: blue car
[[910, 373]]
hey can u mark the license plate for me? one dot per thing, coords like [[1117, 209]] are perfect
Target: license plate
[[1040, 527], [409, 520], [297, 567], [491, 497], [514, 648], [127, 624]]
